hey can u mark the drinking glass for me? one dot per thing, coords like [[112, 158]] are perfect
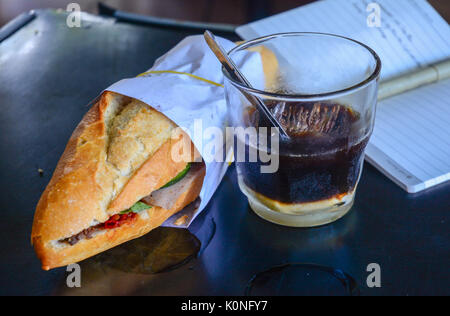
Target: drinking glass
[[322, 88]]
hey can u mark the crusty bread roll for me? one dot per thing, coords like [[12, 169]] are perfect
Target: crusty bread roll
[[119, 153]]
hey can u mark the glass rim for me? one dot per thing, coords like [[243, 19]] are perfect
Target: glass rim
[[304, 97]]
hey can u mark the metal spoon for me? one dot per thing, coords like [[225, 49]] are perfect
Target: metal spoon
[[234, 73]]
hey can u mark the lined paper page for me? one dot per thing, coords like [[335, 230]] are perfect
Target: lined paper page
[[412, 33], [411, 139]]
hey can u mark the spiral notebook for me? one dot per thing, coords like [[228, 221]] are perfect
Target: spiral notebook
[[411, 140]]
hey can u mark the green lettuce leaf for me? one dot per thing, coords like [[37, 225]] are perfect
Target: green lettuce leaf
[[136, 208], [178, 177]]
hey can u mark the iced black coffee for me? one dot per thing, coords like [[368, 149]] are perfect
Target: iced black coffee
[[319, 165]]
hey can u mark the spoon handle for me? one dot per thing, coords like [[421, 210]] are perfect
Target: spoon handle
[[234, 73]]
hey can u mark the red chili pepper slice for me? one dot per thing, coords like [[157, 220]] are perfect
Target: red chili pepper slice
[[118, 220]]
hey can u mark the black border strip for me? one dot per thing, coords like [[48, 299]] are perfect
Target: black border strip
[[123, 16]]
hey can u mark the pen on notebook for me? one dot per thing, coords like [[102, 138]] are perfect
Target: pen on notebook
[[430, 74]]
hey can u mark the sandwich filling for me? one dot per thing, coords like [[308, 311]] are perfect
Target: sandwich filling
[[126, 217]]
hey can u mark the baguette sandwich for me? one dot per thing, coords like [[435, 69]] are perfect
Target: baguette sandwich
[[115, 181]]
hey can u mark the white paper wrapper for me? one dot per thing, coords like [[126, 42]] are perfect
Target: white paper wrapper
[[185, 99]]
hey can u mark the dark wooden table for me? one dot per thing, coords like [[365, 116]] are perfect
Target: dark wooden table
[[48, 73]]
